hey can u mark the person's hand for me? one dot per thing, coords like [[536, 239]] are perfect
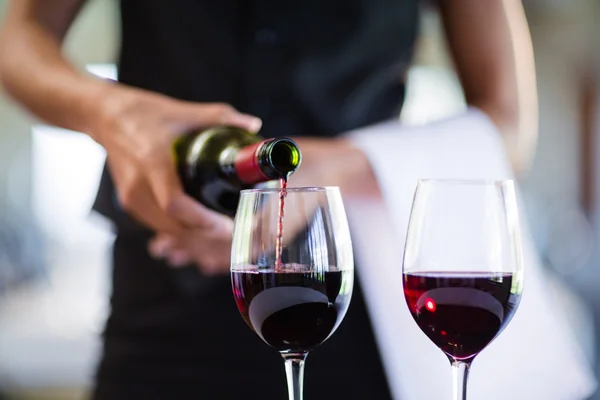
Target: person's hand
[[325, 162], [208, 248], [138, 129]]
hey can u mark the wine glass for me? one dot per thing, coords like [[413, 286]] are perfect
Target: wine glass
[[462, 269], [292, 270]]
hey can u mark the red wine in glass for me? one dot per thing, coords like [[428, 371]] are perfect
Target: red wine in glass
[[461, 312], [296, 300], [294, 312], [463, 266]]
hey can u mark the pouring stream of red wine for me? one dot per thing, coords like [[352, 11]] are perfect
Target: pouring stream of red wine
[[279, 243]]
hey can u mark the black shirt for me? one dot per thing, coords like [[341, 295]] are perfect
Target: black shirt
[[316, 68], [306, 68], [310, 68]]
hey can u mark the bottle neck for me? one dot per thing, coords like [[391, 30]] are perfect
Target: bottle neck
[[247, 164], [267, 160]]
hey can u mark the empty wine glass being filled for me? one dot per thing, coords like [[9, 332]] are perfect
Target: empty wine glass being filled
[[292, 270]]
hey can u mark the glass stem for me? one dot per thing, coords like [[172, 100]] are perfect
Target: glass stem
[[460, 373], [294, 370]]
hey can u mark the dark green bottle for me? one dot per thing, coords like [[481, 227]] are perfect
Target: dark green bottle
[[217, 163]]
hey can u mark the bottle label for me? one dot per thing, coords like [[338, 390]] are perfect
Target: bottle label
[[247, 164]]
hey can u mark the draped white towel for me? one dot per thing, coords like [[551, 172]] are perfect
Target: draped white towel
[[536, 356]]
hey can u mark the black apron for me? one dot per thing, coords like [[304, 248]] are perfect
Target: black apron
[[307, 69]]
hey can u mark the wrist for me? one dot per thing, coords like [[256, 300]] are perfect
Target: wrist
[[100, 107], [107, 103]]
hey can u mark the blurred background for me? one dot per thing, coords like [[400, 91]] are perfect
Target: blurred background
[[54, 254]]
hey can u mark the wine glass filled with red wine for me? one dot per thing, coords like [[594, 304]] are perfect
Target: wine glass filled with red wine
[[462, 270], [292, 270]]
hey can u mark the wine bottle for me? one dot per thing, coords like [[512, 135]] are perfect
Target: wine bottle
[[217, 163]]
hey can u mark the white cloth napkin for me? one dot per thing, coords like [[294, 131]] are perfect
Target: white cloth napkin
[[536, 356]]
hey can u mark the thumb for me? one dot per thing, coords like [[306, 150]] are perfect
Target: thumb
[[171, 198]]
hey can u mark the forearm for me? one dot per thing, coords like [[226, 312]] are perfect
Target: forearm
[[516, 113], [38, 76], [493, 54], [335, 162], [356, 176]]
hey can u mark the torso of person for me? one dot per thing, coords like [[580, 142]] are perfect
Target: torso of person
[[311, 68]]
